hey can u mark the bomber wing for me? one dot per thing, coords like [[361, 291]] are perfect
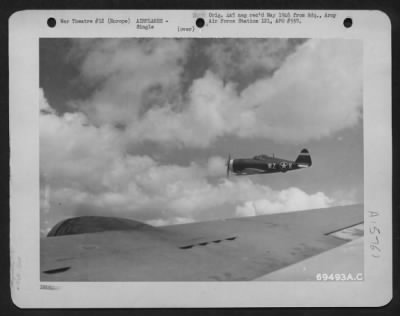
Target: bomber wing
[[233, 249]]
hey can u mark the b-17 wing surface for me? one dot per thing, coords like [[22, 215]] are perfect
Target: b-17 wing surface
[[227, 250]]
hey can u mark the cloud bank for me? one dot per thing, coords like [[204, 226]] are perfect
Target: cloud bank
[[315, 92], [89, 164], [85, 170]]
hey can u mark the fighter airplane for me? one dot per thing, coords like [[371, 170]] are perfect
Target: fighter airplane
[[266, 164]]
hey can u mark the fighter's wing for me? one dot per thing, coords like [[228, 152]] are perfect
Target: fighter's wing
[[232, 249], [250, 171]]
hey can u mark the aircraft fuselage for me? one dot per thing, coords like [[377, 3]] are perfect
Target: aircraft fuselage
[[266, 164], [271, 165]]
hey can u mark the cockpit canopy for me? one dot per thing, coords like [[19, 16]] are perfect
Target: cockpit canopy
[[261, 157]]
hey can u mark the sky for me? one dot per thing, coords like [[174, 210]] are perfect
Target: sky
[[141, 128]]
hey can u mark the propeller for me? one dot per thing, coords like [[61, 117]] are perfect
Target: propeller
[[227, 165]]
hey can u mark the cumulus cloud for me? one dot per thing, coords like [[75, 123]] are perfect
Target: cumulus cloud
[[292, 199], [85, 170], [88, 160], [43, 104], [130, 76], [311, 91], [242, 60], [315, 93], [205, 116], [171, 221]]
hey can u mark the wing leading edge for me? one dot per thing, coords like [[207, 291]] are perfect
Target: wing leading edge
[[227, 250]]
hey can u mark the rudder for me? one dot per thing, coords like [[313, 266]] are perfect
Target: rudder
[[304, 159]]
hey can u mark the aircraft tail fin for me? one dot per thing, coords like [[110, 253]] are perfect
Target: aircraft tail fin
[[304, 159]]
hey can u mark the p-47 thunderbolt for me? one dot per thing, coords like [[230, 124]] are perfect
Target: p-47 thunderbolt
[[266, 164]]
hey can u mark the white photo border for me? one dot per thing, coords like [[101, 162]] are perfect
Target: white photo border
[[373, 28]]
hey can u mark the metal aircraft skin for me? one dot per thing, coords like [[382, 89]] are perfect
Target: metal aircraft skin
[[261, 164], [95, 248]]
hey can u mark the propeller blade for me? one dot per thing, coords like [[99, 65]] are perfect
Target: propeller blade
[[227, 165]]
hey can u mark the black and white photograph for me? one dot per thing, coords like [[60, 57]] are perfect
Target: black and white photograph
[[215, 158], [200, 159]]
